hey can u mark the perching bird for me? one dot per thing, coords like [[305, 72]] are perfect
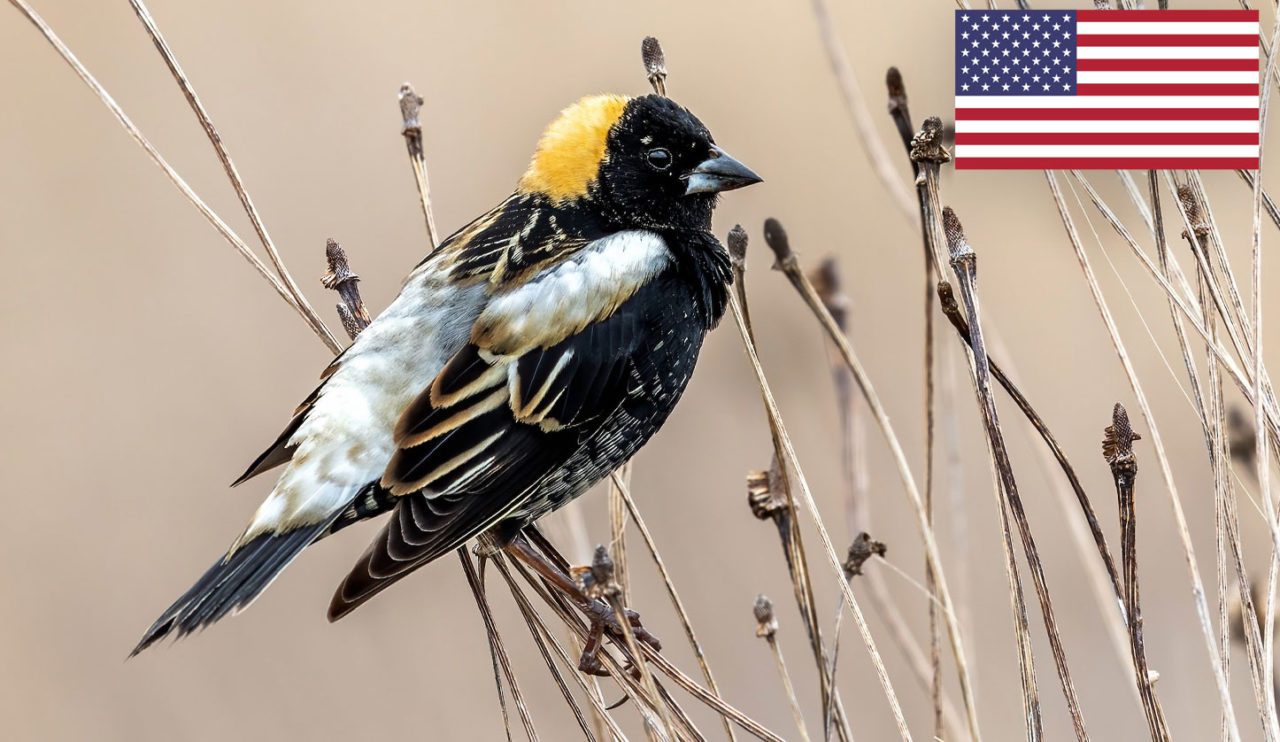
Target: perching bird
[[533, 352]]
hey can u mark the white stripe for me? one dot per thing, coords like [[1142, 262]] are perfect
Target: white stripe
[[1107, 101], [1106, 150], [1167, 27], [1167, 52], [1109, 77], [1249, 127]]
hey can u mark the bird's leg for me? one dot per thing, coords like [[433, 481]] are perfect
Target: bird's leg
[[599, 614]]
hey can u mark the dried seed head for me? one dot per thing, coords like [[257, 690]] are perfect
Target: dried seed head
[[862, 549], [765, 492], [926, 145], [339, 269], [737, 244], [655, 64], [1117, 444], [597, 580], [766, 623], [1243, 439], [897, 90], [1190, 204], [826, 281], [775, 236], [410, 106], [962, 254]]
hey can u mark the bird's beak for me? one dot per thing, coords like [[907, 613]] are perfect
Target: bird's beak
[[719, 172]]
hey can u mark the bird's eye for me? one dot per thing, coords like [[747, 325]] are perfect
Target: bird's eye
[[658, 158]]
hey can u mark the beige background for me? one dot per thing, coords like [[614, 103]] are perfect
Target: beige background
[[144, 364]]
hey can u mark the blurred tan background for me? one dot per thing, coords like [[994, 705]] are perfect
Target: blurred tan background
[[144, 364]]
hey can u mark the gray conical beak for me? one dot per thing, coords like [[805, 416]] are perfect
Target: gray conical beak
[[720, 172]]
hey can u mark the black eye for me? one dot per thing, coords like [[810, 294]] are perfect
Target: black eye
[[658, 158]]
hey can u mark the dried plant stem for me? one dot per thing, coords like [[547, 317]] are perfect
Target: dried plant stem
[[410, 111], [851, 94], [782, 513], [340, 278], [812, 506], [624, 494], [255, 218], [618, 529], [900, 112], [854, 468], [547, 638], [603, 585], [964, 262], [790, 266], [767, 629], [713, 701], [496, 646], [1117, 449], [221, 226], [1197, 586]]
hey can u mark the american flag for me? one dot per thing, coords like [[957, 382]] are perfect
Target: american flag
[[1106, 89]]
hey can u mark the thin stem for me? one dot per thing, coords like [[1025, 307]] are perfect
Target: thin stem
[[767, 629], [1197, 586], [255, 218], [221, 226], [410, 112]]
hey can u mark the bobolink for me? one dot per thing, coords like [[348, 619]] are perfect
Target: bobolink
[[530, 354]]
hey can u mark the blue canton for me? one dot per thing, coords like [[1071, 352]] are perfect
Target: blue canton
[[1016, 53]]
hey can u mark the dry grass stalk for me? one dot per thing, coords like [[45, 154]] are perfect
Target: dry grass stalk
[[599, 582], [215, 139], [785, 260], [1197, 586], [221, 226], [1117, 449], [777, 502], [851, 94], [767, 629], [624, 493], [410, 113], [827, 282], [618, 529], [900, 112], [497, 649], [964, 262]]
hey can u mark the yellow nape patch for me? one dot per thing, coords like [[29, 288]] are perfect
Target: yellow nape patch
[[572, 148]]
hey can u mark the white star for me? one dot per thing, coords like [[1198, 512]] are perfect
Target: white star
[[964, 70], [1056, 26], [1017, 44], [1026, 87], [1057, 79], [1057, 43], [1066, 34], [964, 35], [1046, 87], [1035, 78], [1006, 87], [1066, 52], [985, 87], [1035, 27], [1035, 43], [1066, 86], [964, 87], [986, 53], [985, 34], [1005, 18], [1004, 35], [1005, 52], [964, 52]]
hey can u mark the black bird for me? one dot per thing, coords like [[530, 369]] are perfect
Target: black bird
[[530, 354]]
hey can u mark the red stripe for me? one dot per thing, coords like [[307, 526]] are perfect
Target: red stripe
[[1190, 39], [1095, 16], [1106, 138], [1106, 163], [1167, 89], [1107, 114], [1167, 65]]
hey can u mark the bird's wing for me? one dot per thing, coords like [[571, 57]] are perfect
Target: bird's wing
[[547, 360], [518, 238]]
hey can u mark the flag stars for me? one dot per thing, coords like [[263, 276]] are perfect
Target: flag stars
[[988, 61]]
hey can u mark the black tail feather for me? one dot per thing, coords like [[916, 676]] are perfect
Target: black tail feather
[[232, 583]]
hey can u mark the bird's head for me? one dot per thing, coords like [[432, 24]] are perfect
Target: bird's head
[[642, 162]]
